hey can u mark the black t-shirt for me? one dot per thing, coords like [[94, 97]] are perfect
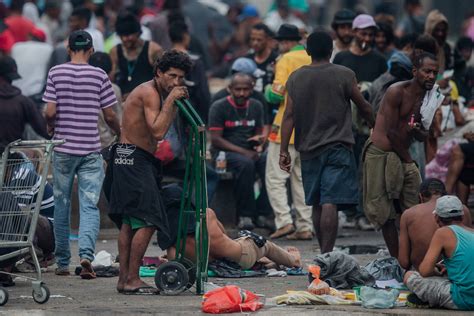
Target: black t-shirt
[[237, 123], [267, 111], [269, 67], [367, 67]]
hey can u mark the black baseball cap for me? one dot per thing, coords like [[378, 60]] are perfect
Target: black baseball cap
[[8, 68], [80, 40], [344, 16]]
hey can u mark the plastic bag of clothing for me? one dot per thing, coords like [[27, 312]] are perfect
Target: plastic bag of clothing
[[224, 268], [341, 271], [385, 269], [373, 298], [230, 299]]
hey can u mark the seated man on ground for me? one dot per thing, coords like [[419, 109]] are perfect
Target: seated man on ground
[[455, 243], [245, 250], [417, 225]]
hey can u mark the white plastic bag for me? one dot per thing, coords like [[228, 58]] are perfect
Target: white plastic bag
[[373, 298]]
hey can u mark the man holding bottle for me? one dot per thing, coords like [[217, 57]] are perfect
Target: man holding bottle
[[236, 124]]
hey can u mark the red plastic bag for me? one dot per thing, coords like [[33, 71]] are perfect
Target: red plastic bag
[[230, 299], [164, 152]]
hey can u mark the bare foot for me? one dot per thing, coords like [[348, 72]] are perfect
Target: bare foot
[[133, 285], [120, 285], [296, 254]]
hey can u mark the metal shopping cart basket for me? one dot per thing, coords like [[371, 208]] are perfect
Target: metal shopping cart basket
[[20, 201]]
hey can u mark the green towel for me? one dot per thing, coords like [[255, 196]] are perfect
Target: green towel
[[146, 272]]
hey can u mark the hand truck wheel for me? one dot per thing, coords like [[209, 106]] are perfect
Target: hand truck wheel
[[191, 268], [171, 278], [42, 296], [3, 297]]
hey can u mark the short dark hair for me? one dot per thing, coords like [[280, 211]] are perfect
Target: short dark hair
[[387, 30], [263, 27], [450, 220], [82, 13], [412, 2], [177, 30], [17, 5], [407, 39], [464, 43], [127, 23], [419, 58], [319, 44], [173, 59], [432, 186], [240, 74], [426, 43], [101, 60]]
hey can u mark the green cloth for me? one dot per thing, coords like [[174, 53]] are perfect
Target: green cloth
[[272, 97], [146, 272], [134, 222], [297, 48], [298, 5]]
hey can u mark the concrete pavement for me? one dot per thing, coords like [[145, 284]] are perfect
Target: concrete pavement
[[73, 296]]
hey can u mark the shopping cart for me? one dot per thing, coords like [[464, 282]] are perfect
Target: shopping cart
[[23, 173]]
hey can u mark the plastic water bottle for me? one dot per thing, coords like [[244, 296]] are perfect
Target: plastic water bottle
[[221, 162]]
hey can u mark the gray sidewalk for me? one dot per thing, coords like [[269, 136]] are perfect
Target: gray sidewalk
[[73, 296]]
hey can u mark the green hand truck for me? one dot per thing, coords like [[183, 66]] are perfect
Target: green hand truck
[[173, 277]]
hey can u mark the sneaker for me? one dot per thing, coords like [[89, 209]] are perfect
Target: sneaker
[[62, 271], [346, 222], [245, 223], [364, 224], [24, 266], [414, 301], [265, 222], [260, 221]]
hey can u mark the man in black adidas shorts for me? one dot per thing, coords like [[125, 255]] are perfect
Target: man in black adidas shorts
[[137, 205]]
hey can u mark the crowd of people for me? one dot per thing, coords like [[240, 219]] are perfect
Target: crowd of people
[[336, 128]]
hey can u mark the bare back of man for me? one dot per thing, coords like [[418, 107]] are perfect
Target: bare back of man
[[420, 226]]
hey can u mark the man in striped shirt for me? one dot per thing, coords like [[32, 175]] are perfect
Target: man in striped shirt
[[75, 93]]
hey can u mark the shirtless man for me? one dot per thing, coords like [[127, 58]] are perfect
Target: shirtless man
[[243, 250], [454, 242], [389, 172], [417, 224], [136, 204]]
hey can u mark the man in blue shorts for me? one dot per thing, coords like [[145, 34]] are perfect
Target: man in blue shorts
[[319, 109]]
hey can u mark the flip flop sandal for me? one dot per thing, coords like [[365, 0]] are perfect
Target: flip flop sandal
[[87, 275], [143, 290], [87, 272]]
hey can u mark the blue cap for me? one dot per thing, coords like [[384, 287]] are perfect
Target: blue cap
[[245, 65], [248, 11], [401, 59]]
